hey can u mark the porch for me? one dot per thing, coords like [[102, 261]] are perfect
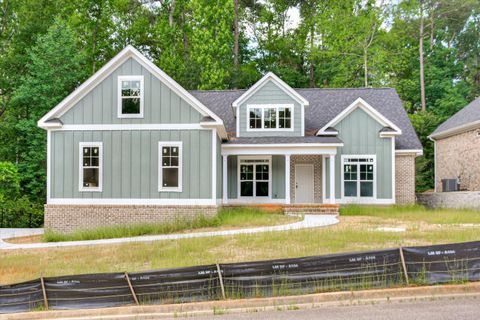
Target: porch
[[288, 175]]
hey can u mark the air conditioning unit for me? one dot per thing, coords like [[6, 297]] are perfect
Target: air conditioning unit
[[449, 185]]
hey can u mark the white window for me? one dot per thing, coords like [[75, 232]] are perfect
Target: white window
[[170, 166], [90, 175], [130, 96], [358, 176], [270, 117], [254, 177]]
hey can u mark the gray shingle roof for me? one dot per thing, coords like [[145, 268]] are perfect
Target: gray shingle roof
[[278, 140], [467, 115], [325, 104]]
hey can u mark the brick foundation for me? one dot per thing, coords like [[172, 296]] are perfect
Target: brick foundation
[[405, 179], [69, 218]]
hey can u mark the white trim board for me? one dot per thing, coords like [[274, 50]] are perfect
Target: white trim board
[[291, 149], [123, 127], [359, 103], [118, 201], [107, 69], [270, 77], [417, 152]]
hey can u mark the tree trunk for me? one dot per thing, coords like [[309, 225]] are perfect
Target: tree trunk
[[170, 13], [312, 67], [365, 66], [235, 43], [420, 51]]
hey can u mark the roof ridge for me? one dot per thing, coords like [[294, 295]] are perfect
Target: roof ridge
[[320, 89]]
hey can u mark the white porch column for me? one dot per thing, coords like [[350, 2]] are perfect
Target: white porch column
[[224, 179], [332, 178], [324, 179], [287, 179]]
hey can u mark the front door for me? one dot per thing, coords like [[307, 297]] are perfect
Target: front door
[[304, 186]]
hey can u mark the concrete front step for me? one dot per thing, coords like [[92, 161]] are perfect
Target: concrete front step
[[312, 209]]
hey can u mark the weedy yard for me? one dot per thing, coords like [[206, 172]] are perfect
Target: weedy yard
[[360, 228]]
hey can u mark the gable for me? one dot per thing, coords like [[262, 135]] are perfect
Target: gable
[[270, 94], [161, 104], [368, 109], [50, 120]]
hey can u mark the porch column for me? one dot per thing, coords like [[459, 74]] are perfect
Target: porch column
[[332, 178], [287, 179], [224, 179]]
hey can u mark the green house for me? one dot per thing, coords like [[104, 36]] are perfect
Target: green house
[[131, 145]]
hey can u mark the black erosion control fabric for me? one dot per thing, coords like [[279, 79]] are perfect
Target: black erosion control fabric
[[88, 291], [177, 285], [21, 297], [443, 263], [312, 274], [350, 271]]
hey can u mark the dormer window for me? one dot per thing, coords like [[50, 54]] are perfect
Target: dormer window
[[270, 117], [130, 96]]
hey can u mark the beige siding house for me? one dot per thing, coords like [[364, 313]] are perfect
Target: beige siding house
[[457, 149]]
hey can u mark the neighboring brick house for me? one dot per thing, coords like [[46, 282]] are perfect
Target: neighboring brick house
[[457, 149], [131, 145]]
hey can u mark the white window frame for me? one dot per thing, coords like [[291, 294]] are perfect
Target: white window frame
[[98, 145], [239, 185], [270, 106], [358, 198], [119, 97], [179, 145]]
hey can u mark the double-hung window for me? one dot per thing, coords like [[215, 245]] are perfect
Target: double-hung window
[[170, 166], [254, 177], [90, 177], [358, 176], [269, 117], [130, 96]]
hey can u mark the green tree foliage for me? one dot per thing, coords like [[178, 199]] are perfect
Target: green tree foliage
[[54, 69], [48, 47]]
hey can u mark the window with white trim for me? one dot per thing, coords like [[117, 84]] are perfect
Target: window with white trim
[[170, 166], [130, 96], [90, 177], [254, 177], [358, 176], [269, 117]]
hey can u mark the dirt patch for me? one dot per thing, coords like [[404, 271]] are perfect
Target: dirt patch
[[27, 239]]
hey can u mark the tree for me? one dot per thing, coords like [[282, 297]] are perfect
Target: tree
[[55, 67]]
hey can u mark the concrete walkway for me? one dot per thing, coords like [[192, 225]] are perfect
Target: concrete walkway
[[309, 221]]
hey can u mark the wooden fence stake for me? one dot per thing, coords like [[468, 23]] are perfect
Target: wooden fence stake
[[220, 277], [131, 288], [404, 266], [45, 300]]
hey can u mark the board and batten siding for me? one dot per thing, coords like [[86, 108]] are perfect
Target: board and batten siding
[[161, 104], [277, 174], [270, 93], [130, 163], [360, 135]]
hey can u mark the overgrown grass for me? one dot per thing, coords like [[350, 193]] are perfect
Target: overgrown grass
[[355, 232], [414, 213], [227, 218]]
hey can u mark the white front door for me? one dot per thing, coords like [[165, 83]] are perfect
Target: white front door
[[304, 185]]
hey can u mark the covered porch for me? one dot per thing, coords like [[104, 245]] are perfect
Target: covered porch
[[287, 174]]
